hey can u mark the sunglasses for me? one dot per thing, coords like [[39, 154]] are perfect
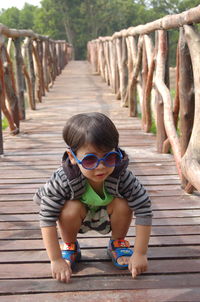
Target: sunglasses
[[91, 161]]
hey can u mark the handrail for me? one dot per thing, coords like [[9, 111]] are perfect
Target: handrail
[[38, 60], [138, 69]]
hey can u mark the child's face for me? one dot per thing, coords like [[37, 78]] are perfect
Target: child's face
[[101, 172]]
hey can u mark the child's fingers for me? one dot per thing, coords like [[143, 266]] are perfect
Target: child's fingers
[[134, 272]]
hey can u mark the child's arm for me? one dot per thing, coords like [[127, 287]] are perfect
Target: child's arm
[[138, 261], [59, 267]]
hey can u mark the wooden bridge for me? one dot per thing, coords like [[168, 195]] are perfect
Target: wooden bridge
[[28, 161]]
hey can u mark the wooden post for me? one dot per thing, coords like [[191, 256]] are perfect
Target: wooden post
[[40, 53], [160, 127], [38, 72], [122, 66], [28, 72], [134, 79], [124, 99], [144, 80], [45, 65], [31, 66], [102, 60], [117, 80], [55, 60], [10, 89], [112, 54], [190, 162], [163, 90], [20, 77], [1, 134], [3, 96], [53, 56], [186, 96], [132, 55], [146, 117], [108, 63]]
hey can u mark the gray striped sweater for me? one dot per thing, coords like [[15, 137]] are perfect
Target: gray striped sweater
[[68, 183]]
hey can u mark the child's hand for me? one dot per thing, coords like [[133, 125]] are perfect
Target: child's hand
[[138, 264], [61, 270]]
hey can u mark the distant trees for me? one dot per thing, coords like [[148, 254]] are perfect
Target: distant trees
[[79, 21]]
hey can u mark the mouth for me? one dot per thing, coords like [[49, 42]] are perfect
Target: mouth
[[100, 175]]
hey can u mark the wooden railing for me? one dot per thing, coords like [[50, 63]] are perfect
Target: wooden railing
[[134, 62], [29, 63]]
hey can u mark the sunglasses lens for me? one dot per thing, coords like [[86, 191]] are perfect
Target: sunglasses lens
[[112, 159], [90, 162]]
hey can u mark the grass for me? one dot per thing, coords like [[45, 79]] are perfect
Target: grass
[[153, 127], [4, 123]]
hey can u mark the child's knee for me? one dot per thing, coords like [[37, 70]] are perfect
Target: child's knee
[[119, 205], [73, 209]]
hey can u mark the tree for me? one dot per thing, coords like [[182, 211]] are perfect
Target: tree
[[79, 21], [10, 17], [27, 16]]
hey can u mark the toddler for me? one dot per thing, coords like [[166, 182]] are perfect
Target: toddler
[[93, 190]]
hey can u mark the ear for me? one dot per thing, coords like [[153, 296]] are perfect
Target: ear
[[71, 158]]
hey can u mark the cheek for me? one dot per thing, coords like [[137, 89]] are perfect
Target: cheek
[[85, 172], [111, 170]]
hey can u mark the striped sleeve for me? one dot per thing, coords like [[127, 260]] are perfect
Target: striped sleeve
[[52, 198], [134, 192]]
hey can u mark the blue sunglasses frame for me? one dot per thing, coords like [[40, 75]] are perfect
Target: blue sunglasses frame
[[98, 159]]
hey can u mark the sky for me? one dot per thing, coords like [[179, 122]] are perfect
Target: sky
[[17, 3]]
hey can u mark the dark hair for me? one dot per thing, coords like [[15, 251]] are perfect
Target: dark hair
[[91, 128]]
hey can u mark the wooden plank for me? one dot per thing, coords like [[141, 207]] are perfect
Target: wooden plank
[[31, 188], [28, 207], [154, 240], [146, 295], [156, 230], [84, 269], [95, 242], [156, 221], [30, 159], [37, 253], [184, 201], [153, 180], [104, 283]]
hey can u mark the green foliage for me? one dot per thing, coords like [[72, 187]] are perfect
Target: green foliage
[[153, 127], [10, 17], [27, 16], [4, 123], [79, 21], [166, 7]]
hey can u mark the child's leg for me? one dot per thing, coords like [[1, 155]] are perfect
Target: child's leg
[[70, 220], [120, 217]]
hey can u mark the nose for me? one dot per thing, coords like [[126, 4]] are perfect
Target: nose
[[101, 164]]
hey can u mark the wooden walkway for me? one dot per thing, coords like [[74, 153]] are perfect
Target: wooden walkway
[[30, 158]]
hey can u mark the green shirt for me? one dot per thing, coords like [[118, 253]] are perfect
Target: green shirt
[[93, 200]]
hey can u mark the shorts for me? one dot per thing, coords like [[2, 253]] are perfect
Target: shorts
[[98, 220]]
